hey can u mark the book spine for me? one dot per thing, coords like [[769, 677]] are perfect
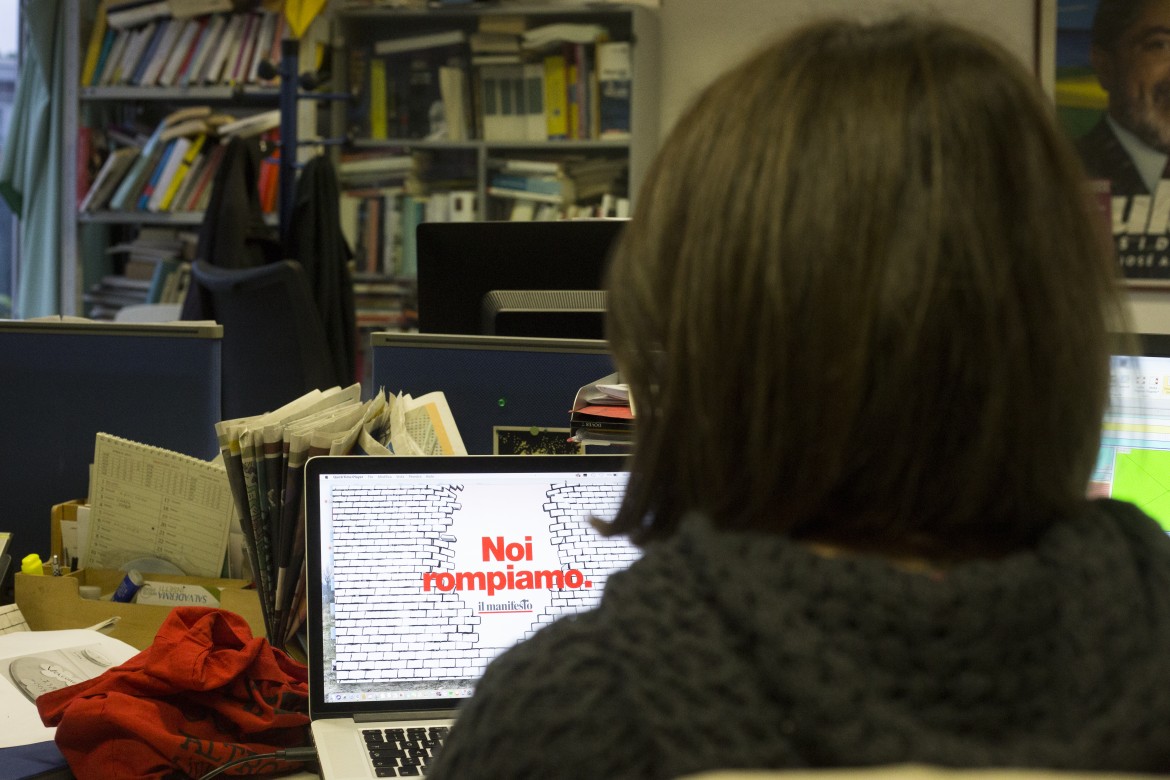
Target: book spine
[[535, 128], [181, 170], [546, 185], [84, 171], [129, 56], [243, 50], [148, 54], [97, 39], [194, 74], [113, 57], [572, 96], [131, 182], [274, 52], [556, 104], [166, 165], [107, 43], [188, 28], [190, 178], [379, 128], [198, 197], [137, 15], [227, 43], [615, 80], [166, 45], [180, 75]]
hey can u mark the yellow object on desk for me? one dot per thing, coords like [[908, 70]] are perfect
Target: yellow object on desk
[[31, 564]]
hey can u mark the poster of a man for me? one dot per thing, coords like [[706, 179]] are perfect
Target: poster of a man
[[1125, 45]]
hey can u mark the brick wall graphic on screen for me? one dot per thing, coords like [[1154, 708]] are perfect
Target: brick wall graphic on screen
[[385, 539], [580, 547]]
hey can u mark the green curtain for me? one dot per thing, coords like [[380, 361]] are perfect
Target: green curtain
[[30, 162]]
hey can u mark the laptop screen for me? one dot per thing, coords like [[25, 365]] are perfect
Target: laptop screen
[[431, 567], [1133, 463]]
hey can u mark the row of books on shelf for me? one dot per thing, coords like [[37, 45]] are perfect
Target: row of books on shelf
[[155, 268], [609, 207], [379, 214], [382, 303], [558, 178], [159, 48], [379, 224], [173, 168], [555, 82]]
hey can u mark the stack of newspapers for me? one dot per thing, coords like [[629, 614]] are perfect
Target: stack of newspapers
[[265, 458]]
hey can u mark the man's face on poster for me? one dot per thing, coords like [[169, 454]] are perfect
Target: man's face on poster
[[1136, 74]]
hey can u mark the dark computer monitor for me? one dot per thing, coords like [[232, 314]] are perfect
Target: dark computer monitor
[[507, 394], [65, 381], [461, 265]]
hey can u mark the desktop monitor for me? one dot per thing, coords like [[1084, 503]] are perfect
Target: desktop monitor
[[547, 270], [65, 381], [1133, 463], [508, 395]]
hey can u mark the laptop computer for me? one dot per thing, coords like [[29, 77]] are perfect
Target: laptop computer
[[424, 569], [1133, 463]]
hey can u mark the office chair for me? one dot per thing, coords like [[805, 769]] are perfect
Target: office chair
[[274, 347]]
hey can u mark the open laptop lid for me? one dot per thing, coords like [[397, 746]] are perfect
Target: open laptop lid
[[443, 563], [1133, 463]]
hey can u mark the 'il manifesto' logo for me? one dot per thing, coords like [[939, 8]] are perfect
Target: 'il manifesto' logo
[[510, 578]]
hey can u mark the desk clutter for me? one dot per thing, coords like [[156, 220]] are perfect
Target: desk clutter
[[161, 529], [170, 554], [265, 456], [202, 692]]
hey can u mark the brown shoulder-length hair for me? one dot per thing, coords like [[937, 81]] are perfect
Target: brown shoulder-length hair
[[864, 300]]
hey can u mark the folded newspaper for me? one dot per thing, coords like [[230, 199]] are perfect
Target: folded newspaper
[[265, 460]]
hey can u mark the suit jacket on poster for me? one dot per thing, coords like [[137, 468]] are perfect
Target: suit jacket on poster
[[1105, 158]]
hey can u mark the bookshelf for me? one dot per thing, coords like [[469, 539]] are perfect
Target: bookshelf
[[480, 63], [497, 153], [115, 112]]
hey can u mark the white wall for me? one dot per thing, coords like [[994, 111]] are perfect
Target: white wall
[[701, 38]]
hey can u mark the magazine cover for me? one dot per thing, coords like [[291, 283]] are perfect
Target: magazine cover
[[1112, 91]]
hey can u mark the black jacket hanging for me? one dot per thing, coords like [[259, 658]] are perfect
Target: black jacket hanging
[[233, 233], [315, 240]]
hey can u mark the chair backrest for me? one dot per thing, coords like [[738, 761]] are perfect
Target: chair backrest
[[274, 347]]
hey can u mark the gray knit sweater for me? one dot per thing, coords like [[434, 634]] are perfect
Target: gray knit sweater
[[737, 650]]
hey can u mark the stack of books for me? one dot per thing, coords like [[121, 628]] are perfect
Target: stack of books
[[156, 269], [172, 169], [603, 413], [564, 182]]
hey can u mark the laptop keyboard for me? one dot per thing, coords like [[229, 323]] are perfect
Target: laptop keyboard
[[403, 752]]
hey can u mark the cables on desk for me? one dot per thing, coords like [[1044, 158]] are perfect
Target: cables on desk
[[291, 754]]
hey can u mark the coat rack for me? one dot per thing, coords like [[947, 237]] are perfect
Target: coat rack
[[292, 90]]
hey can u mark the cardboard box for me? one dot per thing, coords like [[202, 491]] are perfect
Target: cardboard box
[[64, 511], [50, 603]]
